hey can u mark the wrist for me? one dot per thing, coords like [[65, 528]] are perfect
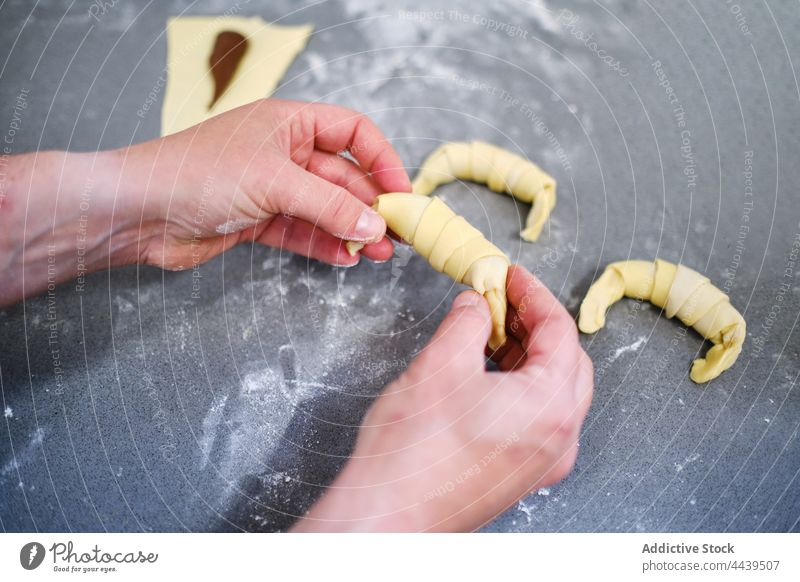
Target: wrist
[[61, 217], [352, 504], [104, 208], [168, 198]]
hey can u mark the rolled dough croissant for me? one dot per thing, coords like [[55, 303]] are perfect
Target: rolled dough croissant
[[681, 292], [500, 169], [452, 246]]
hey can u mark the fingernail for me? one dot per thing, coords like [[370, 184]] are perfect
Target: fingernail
[[466, 299], [348, 264], [370, 226]]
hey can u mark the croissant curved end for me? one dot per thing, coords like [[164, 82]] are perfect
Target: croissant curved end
[[722, 356], [488, 277], [453, 246], [541, 208], [499, 169], [603, 293], [497, 305], [717, 360], [535, 221]]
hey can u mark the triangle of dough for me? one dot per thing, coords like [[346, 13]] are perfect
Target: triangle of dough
[[190, 85]]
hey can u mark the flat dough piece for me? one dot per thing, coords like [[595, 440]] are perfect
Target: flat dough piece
[[190, 85]]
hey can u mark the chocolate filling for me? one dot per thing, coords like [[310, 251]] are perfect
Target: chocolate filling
[[229, 49]]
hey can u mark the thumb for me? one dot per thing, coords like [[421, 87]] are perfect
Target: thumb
[[462, 336], [328, 206]]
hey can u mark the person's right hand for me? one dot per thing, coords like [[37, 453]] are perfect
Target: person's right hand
[[450, 445]]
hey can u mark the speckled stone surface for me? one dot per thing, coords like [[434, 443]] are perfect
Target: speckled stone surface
[[232, 411]]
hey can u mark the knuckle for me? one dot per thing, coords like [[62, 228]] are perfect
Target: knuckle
[[359, 117], [339, 205], [564, 430], [361, 133], [520, 452], [564, 465], [562, 426], [474, 317]]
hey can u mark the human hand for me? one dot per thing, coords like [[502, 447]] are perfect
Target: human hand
[[267, 172], [448, 446]]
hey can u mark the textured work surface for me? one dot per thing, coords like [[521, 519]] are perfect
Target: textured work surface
[[672, 130]]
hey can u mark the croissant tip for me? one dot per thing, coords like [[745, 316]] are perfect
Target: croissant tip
[[530, 235]]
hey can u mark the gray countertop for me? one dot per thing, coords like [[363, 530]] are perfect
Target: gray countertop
[[233, 410]]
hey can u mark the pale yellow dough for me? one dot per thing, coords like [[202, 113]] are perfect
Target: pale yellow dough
[[452, 246], [501, 170], [190, 86], [681, 292]]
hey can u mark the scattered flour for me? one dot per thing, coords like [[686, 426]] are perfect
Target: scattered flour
[[23, 456], [630, 348], [235, 225], [322, 311], [210, 425], [123, 304], [687, 461], [526, 509]]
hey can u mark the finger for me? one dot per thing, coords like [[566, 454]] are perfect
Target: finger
[[325, 205], [338, 128], [301, 237], [459, 341], [379, 252], [344, 173], [551, 333], [515, 336], [584, 385], [510, 356], [574, 392], [497, 355], [515, 327], [515, 357]]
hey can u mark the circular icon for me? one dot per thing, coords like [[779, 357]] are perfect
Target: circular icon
[[31, 555]]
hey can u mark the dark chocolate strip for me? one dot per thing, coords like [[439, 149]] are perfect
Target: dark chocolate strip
[[229, 49]]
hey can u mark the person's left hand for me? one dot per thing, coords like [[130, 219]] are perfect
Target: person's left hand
[[269, 172]]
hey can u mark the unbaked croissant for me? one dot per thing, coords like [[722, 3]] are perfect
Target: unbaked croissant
[[499, 169], [452, 246], [681, 292]]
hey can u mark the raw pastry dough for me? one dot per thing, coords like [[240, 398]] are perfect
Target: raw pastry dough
[[190, 85], [500, 169], [452, 246], [681, 292]]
